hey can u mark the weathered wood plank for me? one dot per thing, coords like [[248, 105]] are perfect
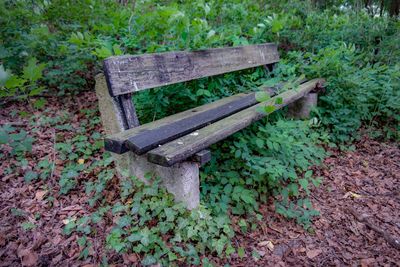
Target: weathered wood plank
[[184, 147], [202, 157], [146, 137], [115, 143], [129, 111], [128, 74]]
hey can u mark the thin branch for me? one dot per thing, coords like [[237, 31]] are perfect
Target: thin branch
[[394, 242]]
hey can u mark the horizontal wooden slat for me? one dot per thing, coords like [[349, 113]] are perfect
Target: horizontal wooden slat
[[184, 147], [127, 74], [116, 142], [148, 136], [202, 157]]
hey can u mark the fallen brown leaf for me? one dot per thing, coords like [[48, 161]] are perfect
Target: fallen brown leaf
[[267, 243], [313, 253], [28, 257], [40, 194]]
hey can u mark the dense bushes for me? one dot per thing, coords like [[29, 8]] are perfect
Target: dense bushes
[[55, 47]]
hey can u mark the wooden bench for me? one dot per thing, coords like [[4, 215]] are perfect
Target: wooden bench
[[173, 148]]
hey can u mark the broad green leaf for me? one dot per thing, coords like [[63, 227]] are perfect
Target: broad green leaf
[[271, 82], [269, 109], [117, 50], [4, 75], [36, 91], [3, 136], [14, 82], [103, 52], [262, 96], [33, 71], [229, 250], [294, 189], [276, 26], [247, 197], [303, 183]]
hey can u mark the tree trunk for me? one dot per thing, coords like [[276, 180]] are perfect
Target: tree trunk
[[394, 8]]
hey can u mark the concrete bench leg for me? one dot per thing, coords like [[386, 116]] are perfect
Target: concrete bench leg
[[181, 180], [301, 108]]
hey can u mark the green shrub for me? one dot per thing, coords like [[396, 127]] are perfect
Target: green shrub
[[265, 159]]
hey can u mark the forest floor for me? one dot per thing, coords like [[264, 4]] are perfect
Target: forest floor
[[363, 183]]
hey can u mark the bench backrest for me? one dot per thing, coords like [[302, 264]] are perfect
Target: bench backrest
[[129, 74]]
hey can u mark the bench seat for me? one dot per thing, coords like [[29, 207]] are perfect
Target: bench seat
[[150, 135], [186, 146]]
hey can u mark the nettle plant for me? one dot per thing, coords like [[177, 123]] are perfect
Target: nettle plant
[[149, 222], [23, 86], [358, 93], [266, 159], [16, 143]]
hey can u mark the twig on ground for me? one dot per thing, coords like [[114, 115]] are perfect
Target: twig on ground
[[54, 154], [364, 219]]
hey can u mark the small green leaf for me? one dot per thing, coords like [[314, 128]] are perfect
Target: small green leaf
[[269, 109], [210, 34], [82, 241], [247, 197], [172, 256], [30, 176], [117, 50], [229, 250], [39, 103], [149, 260], [317, 181], [260, 110], [262, 96], [260, 143], [279, 100], [28, 226], [241, 252], [256, 256]]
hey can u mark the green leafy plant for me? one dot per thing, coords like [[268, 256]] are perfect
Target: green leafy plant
[[24, 86], [274, 159], [19, 141]]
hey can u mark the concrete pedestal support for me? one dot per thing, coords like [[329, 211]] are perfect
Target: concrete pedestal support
[[181, 180], [301, 108]]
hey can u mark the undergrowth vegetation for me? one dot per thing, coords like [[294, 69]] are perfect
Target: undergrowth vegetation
[[56, 47]]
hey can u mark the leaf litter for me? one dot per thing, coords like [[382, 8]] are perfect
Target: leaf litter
[[366, 180]]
